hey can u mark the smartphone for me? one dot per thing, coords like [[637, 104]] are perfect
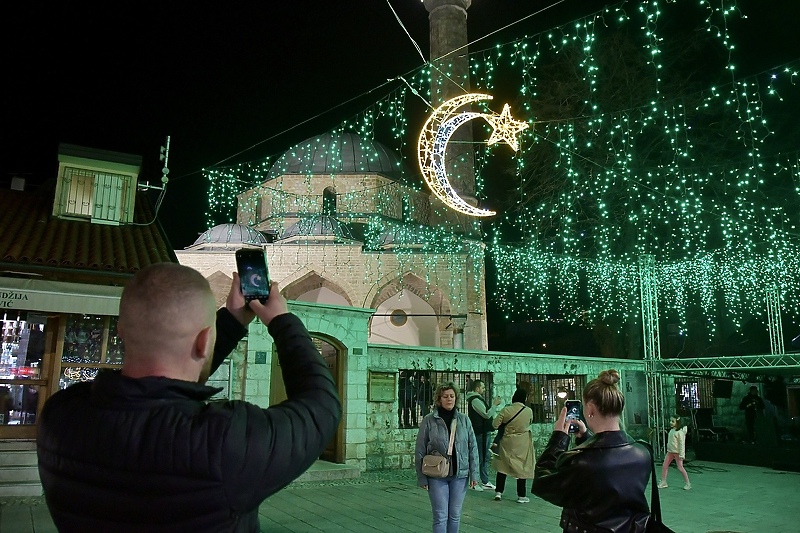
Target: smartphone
[[253, 274], [574, 412]]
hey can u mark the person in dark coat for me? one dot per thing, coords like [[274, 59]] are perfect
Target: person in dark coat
[[753, 406], [601, 482], [407, 398], [145, 450]]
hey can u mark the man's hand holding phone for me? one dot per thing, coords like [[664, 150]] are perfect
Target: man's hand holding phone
[[236, 304], [274, 306]]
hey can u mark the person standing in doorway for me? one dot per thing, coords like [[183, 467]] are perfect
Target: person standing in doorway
[[407, 397], [481, 416], [753, 406]]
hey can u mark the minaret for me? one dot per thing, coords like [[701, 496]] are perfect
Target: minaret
[[450, 78]]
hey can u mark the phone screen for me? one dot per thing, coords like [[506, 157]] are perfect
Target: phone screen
[[253, 274], [574, 412]]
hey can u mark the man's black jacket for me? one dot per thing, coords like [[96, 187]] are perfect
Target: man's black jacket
[[600, 483], [152, 454]]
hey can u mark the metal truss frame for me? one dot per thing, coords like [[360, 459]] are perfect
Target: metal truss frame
[[732, 366], [774, 321], [648, 284]]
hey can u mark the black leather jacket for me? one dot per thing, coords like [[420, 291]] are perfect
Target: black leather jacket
[[600, 483], [154, 455]]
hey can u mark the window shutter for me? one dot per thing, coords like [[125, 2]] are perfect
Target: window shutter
[[108, 197]]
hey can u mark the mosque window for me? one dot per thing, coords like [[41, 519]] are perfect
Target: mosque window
[[329, 201], [398, 318]]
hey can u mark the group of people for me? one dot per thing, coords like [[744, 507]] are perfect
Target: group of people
[[155, 453], [599, 483], [415, 397]]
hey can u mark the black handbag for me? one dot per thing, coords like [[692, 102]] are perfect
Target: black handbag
[[654, 524]]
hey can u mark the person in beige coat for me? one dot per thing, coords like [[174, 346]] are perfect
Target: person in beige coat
[[516, 456]]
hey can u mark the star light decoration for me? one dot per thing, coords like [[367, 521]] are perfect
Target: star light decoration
[[506, 128], [435, 136]]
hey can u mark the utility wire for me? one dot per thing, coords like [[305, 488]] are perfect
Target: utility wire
[[405, 30]]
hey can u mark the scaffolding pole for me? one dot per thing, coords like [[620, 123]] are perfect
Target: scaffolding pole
[[648, 284], [774, 321]]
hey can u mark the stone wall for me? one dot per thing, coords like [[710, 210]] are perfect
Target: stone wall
[[389, 447]]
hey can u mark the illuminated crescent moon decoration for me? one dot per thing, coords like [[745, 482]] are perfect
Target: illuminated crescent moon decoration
[[436, 133]]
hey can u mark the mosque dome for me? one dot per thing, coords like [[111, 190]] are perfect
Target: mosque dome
[[338, 153], [230, 236]]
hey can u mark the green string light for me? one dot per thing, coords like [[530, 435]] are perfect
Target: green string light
[[595, 189]]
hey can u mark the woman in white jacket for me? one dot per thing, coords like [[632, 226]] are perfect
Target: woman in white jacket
[[676, 449]]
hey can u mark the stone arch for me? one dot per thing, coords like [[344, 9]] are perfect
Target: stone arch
[[416, 285], [310, 281]]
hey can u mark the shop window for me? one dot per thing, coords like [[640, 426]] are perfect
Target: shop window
[[23, 348], [90, 343], [547, 392]]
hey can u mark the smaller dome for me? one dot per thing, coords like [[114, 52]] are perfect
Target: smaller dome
[[230, 235]]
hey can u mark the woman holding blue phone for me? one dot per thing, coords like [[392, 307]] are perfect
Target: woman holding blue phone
[[601, 482]]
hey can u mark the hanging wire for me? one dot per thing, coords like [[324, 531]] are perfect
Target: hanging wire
[[419, 51]]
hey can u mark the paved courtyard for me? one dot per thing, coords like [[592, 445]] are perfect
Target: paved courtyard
[[724, 498]]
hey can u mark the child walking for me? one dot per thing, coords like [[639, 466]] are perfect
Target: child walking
[[676, 449]]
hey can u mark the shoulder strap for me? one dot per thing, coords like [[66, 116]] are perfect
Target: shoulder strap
[[655, 502], [516, 415], [453, 436]]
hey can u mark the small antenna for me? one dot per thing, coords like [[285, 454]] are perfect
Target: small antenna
[[165, 158]]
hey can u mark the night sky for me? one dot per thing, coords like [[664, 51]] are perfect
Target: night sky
[[236, 81], [228, 82]]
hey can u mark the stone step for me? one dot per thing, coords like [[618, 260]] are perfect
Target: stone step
[[325, 471], [19, 489], [17, 458], [19, 474], [20, 445]]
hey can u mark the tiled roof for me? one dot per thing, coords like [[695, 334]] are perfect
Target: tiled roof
[[31, 236]]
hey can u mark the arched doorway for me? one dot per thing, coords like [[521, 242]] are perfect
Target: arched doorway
[[332, 353]]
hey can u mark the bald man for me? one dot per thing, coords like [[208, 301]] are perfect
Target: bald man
[[144, 449]]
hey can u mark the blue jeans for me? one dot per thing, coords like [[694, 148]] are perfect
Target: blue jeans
[[447, 497], [484, 441]]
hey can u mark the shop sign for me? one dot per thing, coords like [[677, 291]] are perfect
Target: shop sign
[[8, 298]]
